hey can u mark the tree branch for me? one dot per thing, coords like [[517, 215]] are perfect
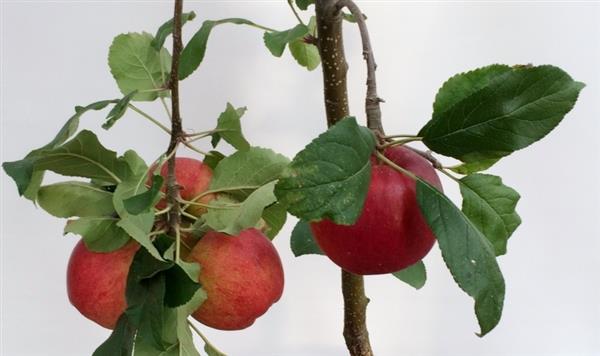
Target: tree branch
[[177, 133], [372, 100], [331, 49]]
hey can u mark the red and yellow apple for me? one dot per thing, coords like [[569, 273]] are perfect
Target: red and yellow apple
[[391, 233], [242, 276]]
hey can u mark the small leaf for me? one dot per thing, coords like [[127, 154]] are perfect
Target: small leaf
[[467, 253], [100, 234], [275, 217], [245, 171], [303, 4], [493, 111], [145, 201], [118, 110], [330, 177], [475, 166], [194, 51], [83, 156], [135, 65], [213, 160], [303, 241], [166, 29], [68, 199], [277, 40], [22, 172], [490, 205], [230, 129], [415, 275]]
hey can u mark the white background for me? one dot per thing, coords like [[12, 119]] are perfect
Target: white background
[[54, 57]]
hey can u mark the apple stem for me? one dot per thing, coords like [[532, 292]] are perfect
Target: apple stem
[[331, 49], [372, 100], [177, 134]]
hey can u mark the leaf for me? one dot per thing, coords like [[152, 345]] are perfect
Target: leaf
[[100, 234], [83, 156], [136, 163], [303, 4], [22, 172], [230, 129], [120, 341], [303, 241], [475, 166], [493, 111], [277, 40], [212, 351], [179, 286], [68, 199], [246, 215], [166, 29], [245, 171], [330, 177], [275, 217], [213, 160], [467, 253], [135, 65], [490, 205], [118, 110], [194, 51], [145, 201], [415, 275]]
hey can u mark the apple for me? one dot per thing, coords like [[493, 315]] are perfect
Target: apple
[[391, 233], [194, 178], [96, 282], [242, 276]]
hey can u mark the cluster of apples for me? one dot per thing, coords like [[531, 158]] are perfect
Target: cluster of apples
[[242, 275]]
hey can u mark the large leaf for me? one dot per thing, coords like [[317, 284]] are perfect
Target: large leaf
[[303, 241], [468, 254], [166, 29], [83, 156], [100, 234], [493, 111], [490, 205], [277, 40], [245, 171], [22, 172], [306, 54], [68, 199], [230, 129], [330, 177], [194, 51], [136, 65], [415, 275]]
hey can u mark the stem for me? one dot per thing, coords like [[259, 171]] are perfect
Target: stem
[[203, 337], [174, 215], [291, 3], [147, 116], [401, 142], [331, 48], [372, 108]]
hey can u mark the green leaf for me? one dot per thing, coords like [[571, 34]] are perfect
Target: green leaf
[[212, 351], [490, 205], [494, 111], [213, 160], [118, 110], [232, 220], [120, 341], [135, 65], [274, 216], [179, 286], [136, 163], [194, 51], [277, 40], [145, 201], [306, 54], [474, 167], [83, 156], [245, 171], [100, 234], [22, 172], [330, 177], [467, 253], [303, 241], [68, 199], [415, 275], [166, 29], [303, 4], [230, 129]]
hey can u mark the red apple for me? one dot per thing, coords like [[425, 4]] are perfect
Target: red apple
[[96, 282], [242, 276], [391, 233], [194, 178]]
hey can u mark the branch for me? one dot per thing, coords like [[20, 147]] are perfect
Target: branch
[[372, 107], [177, 134]]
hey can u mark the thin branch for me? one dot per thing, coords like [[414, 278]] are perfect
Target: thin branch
[[291, 3], [372, 107]]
